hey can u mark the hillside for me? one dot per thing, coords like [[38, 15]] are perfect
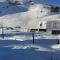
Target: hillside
[[26, 14]]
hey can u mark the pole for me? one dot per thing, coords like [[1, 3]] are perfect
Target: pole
[[2, 33], [33, 37], [57, 41]]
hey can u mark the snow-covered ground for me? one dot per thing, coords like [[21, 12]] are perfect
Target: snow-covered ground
[[26, 50], [21, 36]]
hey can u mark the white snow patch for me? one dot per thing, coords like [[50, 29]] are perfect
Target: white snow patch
[[56, 47], [21, 47], [36, 47]]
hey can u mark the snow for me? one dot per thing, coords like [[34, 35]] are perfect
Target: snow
[[24, 16], [22, 36], [19, 45], [25, 50], [56, 47]]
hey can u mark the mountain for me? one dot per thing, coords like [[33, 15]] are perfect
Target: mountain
[[26, 13]]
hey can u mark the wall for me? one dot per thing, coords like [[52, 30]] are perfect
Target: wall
[[53, 25]]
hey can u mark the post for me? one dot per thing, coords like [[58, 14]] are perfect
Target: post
[[33, 37], [3, 32]]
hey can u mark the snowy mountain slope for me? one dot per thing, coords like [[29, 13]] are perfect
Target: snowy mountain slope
[[49, 2], [26, 15], [26, 19]]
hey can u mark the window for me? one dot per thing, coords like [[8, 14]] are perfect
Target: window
[[41, 24]]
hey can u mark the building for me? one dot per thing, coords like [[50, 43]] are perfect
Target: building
[[53, 26]]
